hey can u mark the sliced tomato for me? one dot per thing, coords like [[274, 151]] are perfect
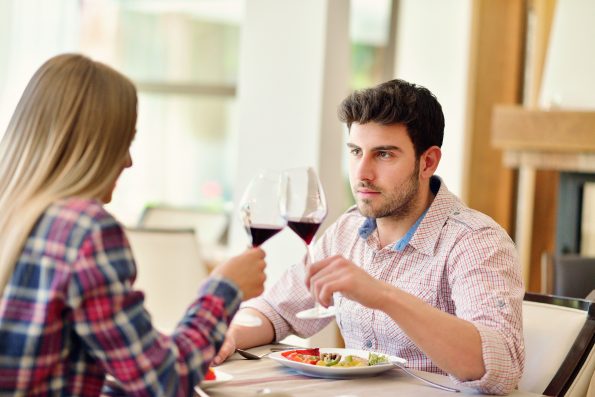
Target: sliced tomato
[[287, 353], [295, 357], [311, 359], [302, 358], [210, 375], [307, 352]]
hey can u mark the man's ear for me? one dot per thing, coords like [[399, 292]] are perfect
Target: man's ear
[[428, 162]]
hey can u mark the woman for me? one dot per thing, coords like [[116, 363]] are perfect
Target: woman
[[68, 314]]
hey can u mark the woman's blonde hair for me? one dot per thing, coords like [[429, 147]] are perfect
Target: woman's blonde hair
[[68, 136]]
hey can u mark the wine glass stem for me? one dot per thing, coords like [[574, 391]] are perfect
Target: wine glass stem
[[309, 263]]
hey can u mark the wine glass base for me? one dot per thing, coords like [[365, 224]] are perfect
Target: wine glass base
[[316, 312], [246, 320]]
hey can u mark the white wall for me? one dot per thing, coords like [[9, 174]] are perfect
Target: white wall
[[433, 41], [293, 73], [569, 72]]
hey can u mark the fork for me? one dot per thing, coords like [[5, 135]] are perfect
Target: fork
[[252, 356], [429, 382]]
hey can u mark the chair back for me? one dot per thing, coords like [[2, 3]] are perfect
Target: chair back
[[210, 226], [559, 334], [169, 271], [573, 275]]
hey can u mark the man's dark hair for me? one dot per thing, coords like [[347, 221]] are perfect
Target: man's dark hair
[[398, 102]]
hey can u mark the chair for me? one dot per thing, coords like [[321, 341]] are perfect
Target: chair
[[559, 334], [568, 275], [210, 226], [169, 271]]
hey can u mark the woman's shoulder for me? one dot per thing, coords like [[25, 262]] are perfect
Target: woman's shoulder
[[66, 224], [82, 206], [77, 212]]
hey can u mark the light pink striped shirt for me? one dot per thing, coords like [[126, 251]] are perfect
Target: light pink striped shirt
[[459, 261]]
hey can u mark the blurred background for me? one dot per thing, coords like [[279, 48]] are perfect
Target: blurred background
[[228, 87]]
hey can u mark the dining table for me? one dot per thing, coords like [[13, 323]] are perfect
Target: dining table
[[267, 377]]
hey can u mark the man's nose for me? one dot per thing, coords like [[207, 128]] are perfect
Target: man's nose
[[365, 169]]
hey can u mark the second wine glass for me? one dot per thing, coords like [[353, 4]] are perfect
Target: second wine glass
[[304, 207]]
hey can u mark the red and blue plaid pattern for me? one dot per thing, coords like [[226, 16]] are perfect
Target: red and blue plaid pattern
[[458, 260], [69, 315]]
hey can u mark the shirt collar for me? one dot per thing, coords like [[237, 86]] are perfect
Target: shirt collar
[[367, 228], [402, 243], [423, 244], [445, 204]]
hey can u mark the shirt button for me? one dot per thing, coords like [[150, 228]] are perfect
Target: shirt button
[[456, 213], [369, 343]]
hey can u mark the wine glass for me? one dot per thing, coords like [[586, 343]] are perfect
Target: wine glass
[[304, 207], [261, 215]]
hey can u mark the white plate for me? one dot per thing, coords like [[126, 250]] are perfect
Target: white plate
[[334, 371], [220, 377]]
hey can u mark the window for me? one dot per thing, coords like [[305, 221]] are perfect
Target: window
[[183, 57]]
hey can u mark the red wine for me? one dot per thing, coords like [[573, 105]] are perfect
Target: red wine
[[305, 228], [261, 233]]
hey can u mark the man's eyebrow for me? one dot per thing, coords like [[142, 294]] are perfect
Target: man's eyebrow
[[377, 148], [386, 148]]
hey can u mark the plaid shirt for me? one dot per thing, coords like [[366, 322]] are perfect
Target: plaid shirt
[[69, 315], [458, 260]]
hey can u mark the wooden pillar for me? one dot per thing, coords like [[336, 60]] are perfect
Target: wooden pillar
[[496, 71], [540, 228]]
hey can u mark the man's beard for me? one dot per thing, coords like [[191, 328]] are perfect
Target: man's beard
[[398, 204]]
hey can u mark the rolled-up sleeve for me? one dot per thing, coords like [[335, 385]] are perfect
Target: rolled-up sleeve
[[488, 291]]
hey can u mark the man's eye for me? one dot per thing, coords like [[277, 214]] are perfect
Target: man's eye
[[355, 151], [384, 155]]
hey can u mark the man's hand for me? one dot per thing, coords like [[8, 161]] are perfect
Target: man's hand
[[454, 344], [245, 337], [337, 274]]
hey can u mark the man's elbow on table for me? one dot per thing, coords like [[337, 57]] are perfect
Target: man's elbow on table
[[497, 383], [502, 372]]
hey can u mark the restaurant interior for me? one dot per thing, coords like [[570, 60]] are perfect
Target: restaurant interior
[[228, 88]]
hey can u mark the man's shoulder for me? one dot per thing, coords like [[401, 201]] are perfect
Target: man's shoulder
[[349, 221], [353, 211], [351, 215], [472, 219], [458, 213]]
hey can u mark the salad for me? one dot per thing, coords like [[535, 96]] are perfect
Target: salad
[[314, 357]]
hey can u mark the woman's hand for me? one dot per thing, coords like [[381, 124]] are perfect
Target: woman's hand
[[227, 349], [246, 271]]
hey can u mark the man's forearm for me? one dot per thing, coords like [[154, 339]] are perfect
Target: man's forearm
[[451, 343], [246, 337]]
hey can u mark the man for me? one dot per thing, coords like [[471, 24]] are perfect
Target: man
[[412, 271]]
